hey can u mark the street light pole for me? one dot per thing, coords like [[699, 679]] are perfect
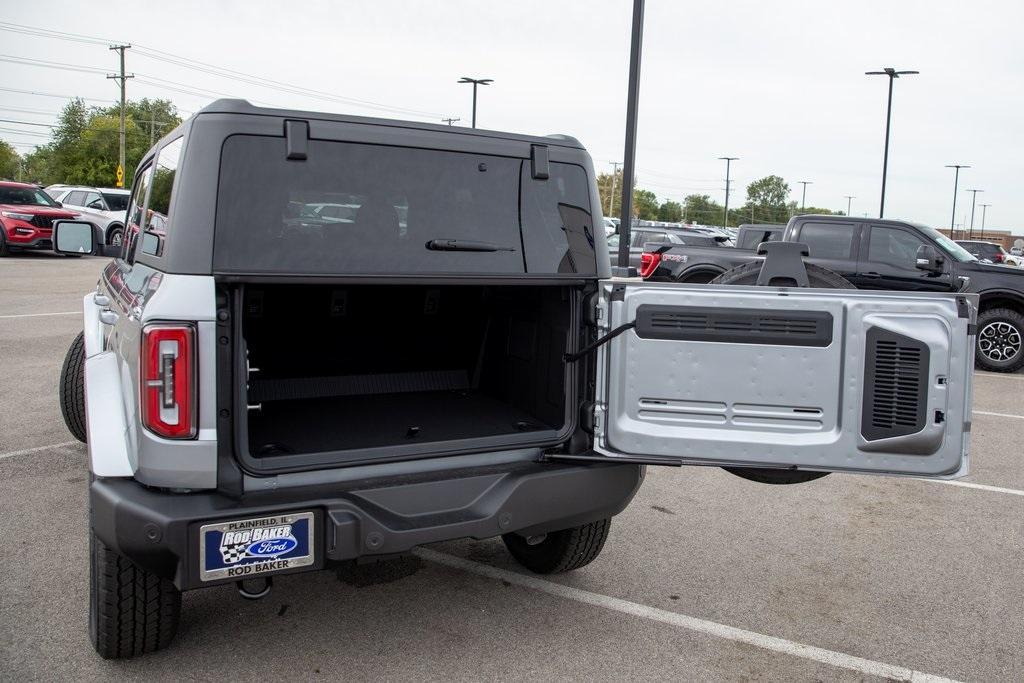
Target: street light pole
[[803, 200], [728, 161], [956, 181], [849, 202], [893, 74], [611, 195], [629, 153], [475, 82], [983, 207], [974, 198]]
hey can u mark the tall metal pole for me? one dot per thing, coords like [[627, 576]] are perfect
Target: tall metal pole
[[849, 202], [725, 212], [893, 74], [983, 208], [475, 82], [629, 154], [611, 195], [956, 182], [121, 133], [974, 198], [803, 200]]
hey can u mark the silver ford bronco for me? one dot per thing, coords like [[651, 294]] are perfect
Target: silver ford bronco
[[326, 339]]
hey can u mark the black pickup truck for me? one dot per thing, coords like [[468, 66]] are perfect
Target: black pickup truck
[[881, 254]]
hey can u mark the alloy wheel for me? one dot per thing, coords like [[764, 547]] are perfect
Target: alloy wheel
[[999, 341]]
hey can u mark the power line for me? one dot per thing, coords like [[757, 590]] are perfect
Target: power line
[[50, 94], [63, 66], [218, 71]]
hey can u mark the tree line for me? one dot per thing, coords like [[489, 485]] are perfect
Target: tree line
[[84, 144], [767, 201]]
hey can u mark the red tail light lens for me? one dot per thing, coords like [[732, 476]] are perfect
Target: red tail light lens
[[649, 263], [168, 380]]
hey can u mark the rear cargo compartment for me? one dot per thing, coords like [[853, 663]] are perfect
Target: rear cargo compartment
[[343, 374]]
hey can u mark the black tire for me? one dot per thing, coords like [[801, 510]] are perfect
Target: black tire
[[115, 235], [4, 249], [131, 611], [72, 388], [560, 551], [817, 277], [1000, 340]]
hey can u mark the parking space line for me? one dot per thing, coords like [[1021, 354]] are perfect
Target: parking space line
[[39, 315], [971, 485], [37, 449], [985, 412], [711, 628]]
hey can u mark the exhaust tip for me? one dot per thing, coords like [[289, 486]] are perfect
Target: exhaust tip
[[254, 589]]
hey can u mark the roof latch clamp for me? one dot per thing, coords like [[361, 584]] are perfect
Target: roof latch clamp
[[783, 264]]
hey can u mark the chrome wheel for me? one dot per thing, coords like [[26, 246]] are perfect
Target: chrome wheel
[[999, 341]]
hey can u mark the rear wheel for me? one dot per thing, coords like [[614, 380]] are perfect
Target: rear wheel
[[131, 611], [1000, 340], [559, 551], [115, 236], [819, 278], [72, 388], [4, 249]]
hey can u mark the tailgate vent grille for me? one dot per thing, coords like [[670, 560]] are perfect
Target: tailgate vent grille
[[896, 385], [734, 325]]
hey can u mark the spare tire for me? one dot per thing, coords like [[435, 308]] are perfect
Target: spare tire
[[818, 278]]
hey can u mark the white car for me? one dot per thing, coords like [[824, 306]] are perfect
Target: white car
[[104, 206]]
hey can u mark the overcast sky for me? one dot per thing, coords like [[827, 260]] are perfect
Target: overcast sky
[[779, 84]]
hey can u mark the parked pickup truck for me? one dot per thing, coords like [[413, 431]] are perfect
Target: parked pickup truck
[[881, 254]]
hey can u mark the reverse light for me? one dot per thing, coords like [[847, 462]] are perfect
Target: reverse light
[[649, 262], [168, 380]]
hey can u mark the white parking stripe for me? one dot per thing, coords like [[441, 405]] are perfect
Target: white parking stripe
[[982, 487], [985, 412], [780, 645], [40, 315], [37, 449]]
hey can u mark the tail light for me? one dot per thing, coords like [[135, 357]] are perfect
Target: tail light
[[169, 404], [649, 262]]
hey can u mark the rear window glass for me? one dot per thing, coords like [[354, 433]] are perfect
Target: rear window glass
[[828, 240], [358, 208]]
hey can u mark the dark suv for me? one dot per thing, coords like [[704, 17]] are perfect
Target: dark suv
[[270, 389]]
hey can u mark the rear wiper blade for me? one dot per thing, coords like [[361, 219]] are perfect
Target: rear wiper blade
[[465, 245]]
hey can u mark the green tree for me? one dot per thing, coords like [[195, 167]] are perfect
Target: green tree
[[670, 211], [700, 208], [605, 185], [768, 197], [10, 161], [645, 205]]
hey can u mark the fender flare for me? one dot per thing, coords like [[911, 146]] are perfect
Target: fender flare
[[105, 419], [685, 271], [1015, 296]]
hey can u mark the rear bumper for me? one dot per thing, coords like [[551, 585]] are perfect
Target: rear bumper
[[160, 531]]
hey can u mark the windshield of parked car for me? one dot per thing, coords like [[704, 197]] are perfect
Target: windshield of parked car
[[116, 201], [947, 245], [27, 196]]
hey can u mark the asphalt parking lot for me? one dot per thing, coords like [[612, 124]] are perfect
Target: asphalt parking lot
[[705, 576]]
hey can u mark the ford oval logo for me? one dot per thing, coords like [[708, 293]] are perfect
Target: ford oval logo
[[272, 548]]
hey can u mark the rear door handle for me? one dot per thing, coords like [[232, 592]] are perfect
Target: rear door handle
[[108, 317]]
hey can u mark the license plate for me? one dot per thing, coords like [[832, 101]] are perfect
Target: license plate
[[252, 547]]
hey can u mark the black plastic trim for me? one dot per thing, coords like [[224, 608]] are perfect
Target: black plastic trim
[[734, 325], [896, 371], [539, 167], [296, 139]]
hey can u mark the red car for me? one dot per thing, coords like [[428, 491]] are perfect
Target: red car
[[27, 214]]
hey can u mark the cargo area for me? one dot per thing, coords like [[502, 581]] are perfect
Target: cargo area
[[356, 373]]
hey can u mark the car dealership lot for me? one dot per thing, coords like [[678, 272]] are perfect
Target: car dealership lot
[[704, 576]]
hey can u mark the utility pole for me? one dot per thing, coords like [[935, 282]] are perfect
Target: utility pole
[[893, 74], [629, 153], [728, 161], [450, 121], [974, 198], [849, 202], [956, 181], [803, 200], [475, 82], [611, 195], [983, 207], [121, 136]]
